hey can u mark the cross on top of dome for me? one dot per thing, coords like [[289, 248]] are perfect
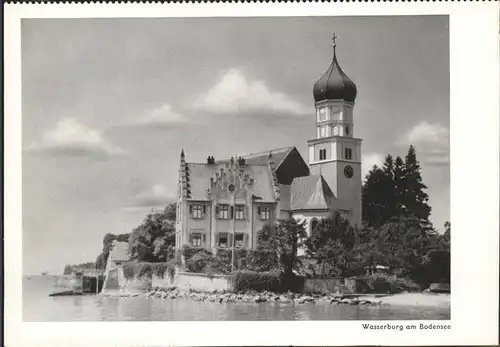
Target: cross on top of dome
[[334, 84]]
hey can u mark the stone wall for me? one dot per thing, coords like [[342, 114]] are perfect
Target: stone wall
[[323, 285], [121, 283], [194, 281]]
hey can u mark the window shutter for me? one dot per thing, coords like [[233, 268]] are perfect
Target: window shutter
[[190, 210], [258, 211], [204, 209], [245, 209], [217, 211], [216, 239], [231, 212], [191, 239], [230, 240], [245, 240], [204, 239]]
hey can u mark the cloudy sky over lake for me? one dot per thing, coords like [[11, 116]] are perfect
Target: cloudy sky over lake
[[109, 103]]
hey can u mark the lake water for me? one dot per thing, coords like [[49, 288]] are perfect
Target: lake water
[[38, 306]]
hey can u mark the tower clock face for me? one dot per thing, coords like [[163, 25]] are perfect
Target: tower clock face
[[348, 171]]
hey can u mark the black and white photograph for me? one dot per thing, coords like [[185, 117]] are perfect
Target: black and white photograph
[[239, 169], [248, 169]]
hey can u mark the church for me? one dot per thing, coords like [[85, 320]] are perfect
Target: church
[[224, 203]]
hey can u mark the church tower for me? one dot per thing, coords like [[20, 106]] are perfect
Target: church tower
[[335, 153]]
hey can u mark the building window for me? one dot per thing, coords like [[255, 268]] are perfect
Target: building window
[[239, 212], [223, 240], [347, 130], [314, 223], [322, 114], [323, 131], [239, 240], [197, 211], [348, 153], [265, 213], [322, 154], [223, 212], [196, 239]]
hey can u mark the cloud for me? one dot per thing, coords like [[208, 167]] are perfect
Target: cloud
[[368, 161], [161, 117], [72, 138], [156, 196], [234, 93], [431, 141]]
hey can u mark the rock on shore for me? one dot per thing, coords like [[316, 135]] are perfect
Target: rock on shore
[[254, 297]]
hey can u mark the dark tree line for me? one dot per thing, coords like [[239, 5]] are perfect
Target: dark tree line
[[395, 190]]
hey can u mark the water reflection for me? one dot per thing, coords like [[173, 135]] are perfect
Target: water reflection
[[38, 306]]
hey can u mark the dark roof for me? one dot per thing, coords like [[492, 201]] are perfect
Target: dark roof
[[311, 193], [119, 251], [334, 84], [262, 158], [199, 180]]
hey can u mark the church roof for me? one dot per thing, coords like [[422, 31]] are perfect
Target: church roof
[[262, 158], [311, 193], [334, 84], [199, 180]]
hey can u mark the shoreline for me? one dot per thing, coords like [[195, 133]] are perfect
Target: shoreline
[[402, 299]]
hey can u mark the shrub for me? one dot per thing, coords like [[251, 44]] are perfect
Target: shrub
[[137, 270], [159, 269], [144, 270], [404, 285], [215, 266], [261, 260], [198, 262], [257, 281], [188, 252], [383, 284], [225, 256]]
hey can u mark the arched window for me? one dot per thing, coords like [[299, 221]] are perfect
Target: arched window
[[322, 154], [312, 225], [348, 153]]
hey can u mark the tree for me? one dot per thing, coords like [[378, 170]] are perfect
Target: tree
[[395, 190], [414, 198], [373, 206], [107, 244], [330, 246], [284, 239], [154, 239], [67, 270]]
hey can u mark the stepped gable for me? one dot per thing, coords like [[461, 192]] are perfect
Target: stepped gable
[[200, 175], [311, 193]]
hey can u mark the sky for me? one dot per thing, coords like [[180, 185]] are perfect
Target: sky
[[109, 103]]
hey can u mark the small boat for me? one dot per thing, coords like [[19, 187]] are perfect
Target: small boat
[[65, 293]]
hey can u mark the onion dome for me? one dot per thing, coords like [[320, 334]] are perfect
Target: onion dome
[[334, 84]]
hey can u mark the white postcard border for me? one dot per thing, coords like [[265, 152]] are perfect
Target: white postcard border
[[474, 65]]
